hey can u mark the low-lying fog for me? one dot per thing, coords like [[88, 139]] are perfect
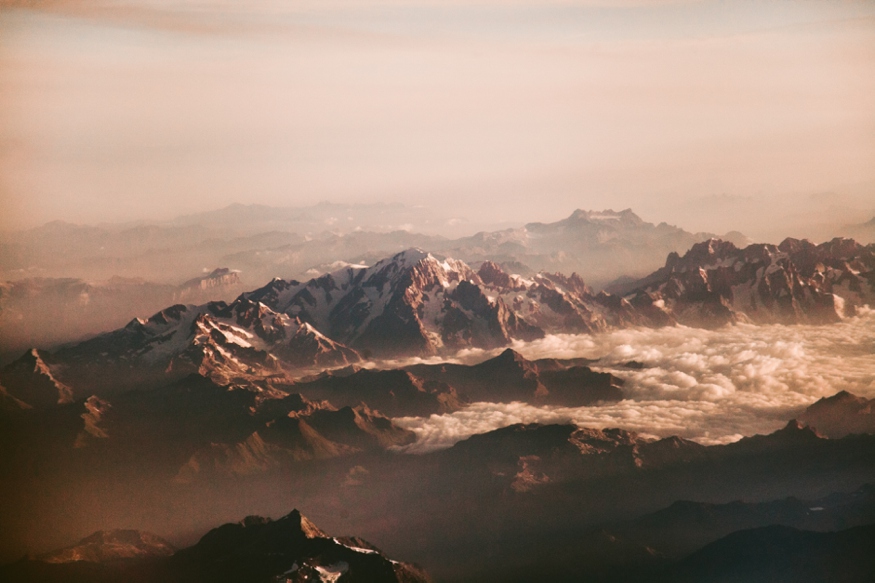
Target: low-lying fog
[[712, 386]]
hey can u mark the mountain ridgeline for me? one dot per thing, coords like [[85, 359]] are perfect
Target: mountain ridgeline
[[415, 304], [299, 394], [255, 550], [95, 278], [521, 503]]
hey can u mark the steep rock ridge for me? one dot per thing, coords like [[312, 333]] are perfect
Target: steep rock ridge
[[206, 287], [359, 427], [396, 393], [716, 283], [30, 380], [392, 307], [255, 550], [292, 549], [426, 389], [556, 303], [511, 377], [416, 304], [93, 421], [231, 343], [525, 457]]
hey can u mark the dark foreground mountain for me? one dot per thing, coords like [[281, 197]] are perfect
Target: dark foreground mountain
[[255, 550], [742, 542], [190, 430], [686, 526], [490, 508], [781, 554], [738, 541]]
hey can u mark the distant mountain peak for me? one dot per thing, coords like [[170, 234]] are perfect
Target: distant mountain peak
[[841, 414], [306, 526], [290, 548], [112, 545], [796, 429], [606, 215], [509, 355]]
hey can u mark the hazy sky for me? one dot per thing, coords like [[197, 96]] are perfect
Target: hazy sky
[[697, 113]]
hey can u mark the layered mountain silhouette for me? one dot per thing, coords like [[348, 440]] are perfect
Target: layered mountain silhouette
[[781, 553], [841, 414], [511, 377], [603, 245], [527, 500], [254, 550], [426, 389], [195, 429]]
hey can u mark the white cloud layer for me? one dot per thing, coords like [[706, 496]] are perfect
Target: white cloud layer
[[713, 386]]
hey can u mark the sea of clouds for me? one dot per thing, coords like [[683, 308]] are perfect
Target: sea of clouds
[[712, 386]]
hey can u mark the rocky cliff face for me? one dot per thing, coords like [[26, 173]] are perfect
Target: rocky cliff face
[[230, 343], [716, 283], [416, 304]]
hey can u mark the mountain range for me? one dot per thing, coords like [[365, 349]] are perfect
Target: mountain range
[[716, 283], [416, 304], [255, 550], [263, 242], [96, 278], [298, 394]]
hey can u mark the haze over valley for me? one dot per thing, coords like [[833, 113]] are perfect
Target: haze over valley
[[409, 291]]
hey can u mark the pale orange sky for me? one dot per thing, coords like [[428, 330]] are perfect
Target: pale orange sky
[[519, 110]]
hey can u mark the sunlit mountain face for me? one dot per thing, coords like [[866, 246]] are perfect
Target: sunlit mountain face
[[495, 291]]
